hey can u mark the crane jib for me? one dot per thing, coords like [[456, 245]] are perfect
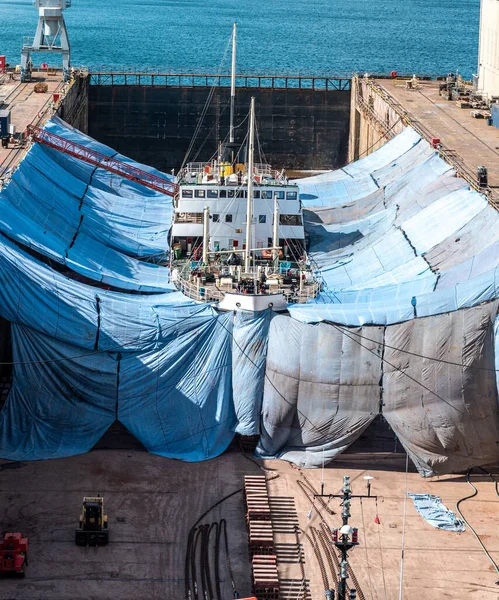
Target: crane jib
[[118, 167]]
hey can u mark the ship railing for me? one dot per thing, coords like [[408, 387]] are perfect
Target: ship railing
[[191, 279], [197, 291], [195, 167]]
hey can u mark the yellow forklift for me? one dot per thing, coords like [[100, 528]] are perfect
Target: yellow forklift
[[93, 529]]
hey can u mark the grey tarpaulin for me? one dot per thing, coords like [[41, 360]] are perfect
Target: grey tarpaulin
[[454, 426], [324, 400], [320, 400]]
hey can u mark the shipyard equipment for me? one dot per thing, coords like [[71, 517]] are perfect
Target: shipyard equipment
[[93, 529], [51, 36], [109, 163], [482, 177], [13, 553]]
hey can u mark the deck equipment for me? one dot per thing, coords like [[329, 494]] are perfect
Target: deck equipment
[[14, 554], [93, 529]]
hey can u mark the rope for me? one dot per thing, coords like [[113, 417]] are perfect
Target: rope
[[458, 503], [403, 530], [205, 108], [371, 587], [381, 561]]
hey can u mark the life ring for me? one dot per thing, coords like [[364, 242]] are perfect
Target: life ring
[[394, 74]]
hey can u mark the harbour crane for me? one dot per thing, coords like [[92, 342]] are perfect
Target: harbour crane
[[51, 36]]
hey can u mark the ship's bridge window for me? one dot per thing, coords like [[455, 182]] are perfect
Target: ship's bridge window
[[216, 218], [186, 193], [292, 195], [223, 193], [200, 193], [267, 194], [279, 195], [228, 218], [262, 218], [256, 194], [241, 194], [290, 219], [231, 193], [212, 193]]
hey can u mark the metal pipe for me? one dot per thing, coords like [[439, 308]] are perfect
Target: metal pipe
[[249, 203], [206, 234], [275, 240], [233, 84]]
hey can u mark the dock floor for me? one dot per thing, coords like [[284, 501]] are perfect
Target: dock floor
[[475, 142], [152, 502], [27, 108]]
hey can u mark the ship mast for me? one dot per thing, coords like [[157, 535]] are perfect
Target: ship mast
[[249, 204], [233, 85]]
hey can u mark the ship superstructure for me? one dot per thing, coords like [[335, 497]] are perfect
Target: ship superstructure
[[238, 229]]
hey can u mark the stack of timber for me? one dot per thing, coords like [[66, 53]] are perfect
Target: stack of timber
[[261, 538]]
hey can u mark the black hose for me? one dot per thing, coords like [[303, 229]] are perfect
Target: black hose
[[188, 595], [472, 495]]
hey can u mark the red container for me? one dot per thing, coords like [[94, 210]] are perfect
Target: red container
[[435, 142], [3, 62], [56, 98]]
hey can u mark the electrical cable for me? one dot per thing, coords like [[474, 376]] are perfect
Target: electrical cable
[[458, 504], [368, 568], [205, 108], [381, 562], [398, 369], [383, 137], [432, 358]]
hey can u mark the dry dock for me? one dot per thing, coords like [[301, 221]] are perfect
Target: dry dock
[[153, 502]]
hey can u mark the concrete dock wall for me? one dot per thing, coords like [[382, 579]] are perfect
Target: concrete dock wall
[[298, 128], [74, 107], [373, 120]]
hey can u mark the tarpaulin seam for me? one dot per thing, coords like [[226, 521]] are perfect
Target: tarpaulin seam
[[382, 373], [205, 436], [118, 373], [408, 240], [97, 333], [374, 181]]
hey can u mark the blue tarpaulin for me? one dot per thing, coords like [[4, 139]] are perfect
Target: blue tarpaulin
[[100, 334]]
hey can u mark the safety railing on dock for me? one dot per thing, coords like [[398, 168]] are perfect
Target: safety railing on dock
[[450, 156], [250, 80]]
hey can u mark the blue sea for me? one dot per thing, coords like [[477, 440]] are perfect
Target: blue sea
[[275, 36]]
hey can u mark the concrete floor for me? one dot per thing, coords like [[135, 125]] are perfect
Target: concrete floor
[[474, 142], [26, 107], [152, 502]]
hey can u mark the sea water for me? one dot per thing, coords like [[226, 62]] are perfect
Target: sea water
[[275, 36]]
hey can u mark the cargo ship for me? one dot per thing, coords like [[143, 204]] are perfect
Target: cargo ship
[[237, 232]]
